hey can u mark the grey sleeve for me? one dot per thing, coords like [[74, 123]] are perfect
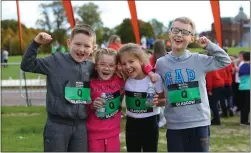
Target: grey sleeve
[[30, 62], [218, 60]]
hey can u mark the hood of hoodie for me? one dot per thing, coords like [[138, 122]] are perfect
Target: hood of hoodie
[[186, 55]]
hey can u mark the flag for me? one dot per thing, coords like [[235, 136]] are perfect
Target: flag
[[69, 12], [133, 11], [215, 6]]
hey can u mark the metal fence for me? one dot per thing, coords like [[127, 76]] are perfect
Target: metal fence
[[21, 88]]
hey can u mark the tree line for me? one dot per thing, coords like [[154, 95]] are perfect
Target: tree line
[[53, 20]]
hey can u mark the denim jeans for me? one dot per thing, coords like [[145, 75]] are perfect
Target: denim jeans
[[188, 140]]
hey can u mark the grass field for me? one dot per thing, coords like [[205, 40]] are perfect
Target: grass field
[[13, 71], [22, 130]]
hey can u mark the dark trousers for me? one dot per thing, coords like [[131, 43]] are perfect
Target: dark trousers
[[188, 140], [142, 134], [229, 96], [217, 95], [65, 138], [245, 105], [236, 95]]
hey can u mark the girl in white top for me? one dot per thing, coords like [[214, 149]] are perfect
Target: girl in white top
[[142, 129]]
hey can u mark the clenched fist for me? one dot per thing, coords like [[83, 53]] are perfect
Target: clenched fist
[[43, 38], [203, 41]]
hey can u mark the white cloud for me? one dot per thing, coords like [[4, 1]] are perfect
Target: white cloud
[[113, 12]]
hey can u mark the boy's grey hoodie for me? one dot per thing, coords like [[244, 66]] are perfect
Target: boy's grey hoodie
[[184, 80], [60, 68]]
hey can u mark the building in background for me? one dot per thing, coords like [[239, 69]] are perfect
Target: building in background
[[235, 31]]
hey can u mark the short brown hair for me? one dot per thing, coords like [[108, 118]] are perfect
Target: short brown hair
[[135, 50], [186, 20], [85, 29]]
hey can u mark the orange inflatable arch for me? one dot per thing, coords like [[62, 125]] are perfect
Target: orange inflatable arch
[[133, 11]]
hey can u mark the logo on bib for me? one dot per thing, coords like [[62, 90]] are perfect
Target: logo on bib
[[187, 93], [78, 92]]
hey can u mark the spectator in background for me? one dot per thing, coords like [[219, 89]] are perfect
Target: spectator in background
[[104, 44], [5, 55], [143, 42], [236, 98], [150, 42], [228, 87], [114, 42], [159, 50], [244, 87]]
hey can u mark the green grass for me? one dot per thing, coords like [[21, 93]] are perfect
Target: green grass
[[13, 71], [22, 130]]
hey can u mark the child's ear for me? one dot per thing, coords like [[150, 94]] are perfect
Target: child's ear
[[193, 38]]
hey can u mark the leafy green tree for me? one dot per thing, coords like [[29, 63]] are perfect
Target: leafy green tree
[[89, 14]]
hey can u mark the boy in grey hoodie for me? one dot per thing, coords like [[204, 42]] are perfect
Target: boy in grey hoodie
[[68, 88], [187, 110]]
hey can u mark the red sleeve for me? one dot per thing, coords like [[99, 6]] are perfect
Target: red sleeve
[[152, 61], [147, 68], [209, 80]]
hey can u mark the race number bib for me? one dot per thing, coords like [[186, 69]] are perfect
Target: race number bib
[[136, 102], [112, 105], [187, 93], [78, 92]]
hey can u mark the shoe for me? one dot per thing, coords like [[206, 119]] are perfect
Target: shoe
[[245, 124], [162, 123], [231, 112], [215, 122], [237, 113], [224, 114]]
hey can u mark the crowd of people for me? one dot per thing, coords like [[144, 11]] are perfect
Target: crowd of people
[[77, 81]]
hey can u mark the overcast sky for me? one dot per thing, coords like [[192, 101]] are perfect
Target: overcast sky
[[113, 12]]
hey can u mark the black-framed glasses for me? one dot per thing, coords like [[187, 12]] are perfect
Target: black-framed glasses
[[183, 31]]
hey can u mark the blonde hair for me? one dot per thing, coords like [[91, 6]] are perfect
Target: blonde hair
[[134, 50], [105, 51], [112, 38], [186, 20], [84, 29]]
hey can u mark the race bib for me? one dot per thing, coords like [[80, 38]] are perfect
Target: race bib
[[112, 105], [187, 93], [78, 92], [136, 102]]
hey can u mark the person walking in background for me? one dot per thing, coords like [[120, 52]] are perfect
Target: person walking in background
[[244, 87], [5, 57]]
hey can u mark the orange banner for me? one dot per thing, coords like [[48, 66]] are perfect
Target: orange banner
[[217, 20], [19, 26], [69, 12], [133, 11]]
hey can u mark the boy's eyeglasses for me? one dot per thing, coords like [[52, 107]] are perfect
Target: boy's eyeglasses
[[183, 31]]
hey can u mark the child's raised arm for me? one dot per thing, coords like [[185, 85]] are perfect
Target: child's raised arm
[[31, 63], [218, 60]]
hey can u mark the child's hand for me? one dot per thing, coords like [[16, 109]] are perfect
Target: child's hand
[[120, 73], [203, 41], [156, 99], [43, 38], [97, 103], [154, 77]]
